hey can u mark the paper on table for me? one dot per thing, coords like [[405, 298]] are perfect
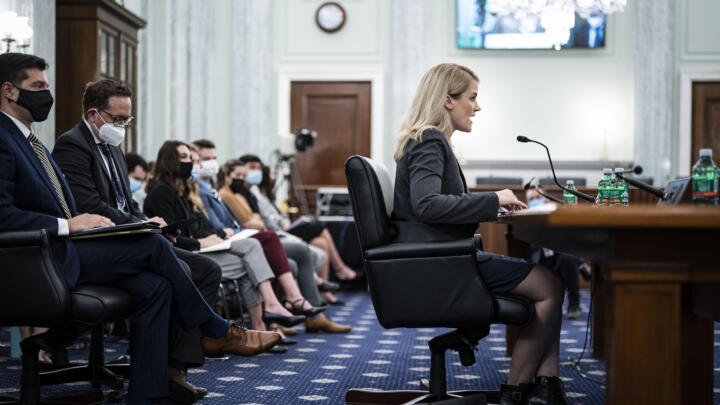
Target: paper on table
[[540, 209], [225, 245]]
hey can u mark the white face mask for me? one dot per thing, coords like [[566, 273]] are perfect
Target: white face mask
[[209, 168], [110, 133]]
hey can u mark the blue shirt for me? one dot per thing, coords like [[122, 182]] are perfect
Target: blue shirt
[[218, 213]]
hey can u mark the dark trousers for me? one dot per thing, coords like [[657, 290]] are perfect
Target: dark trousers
[[565, 266], [185, 346], [148, 269]]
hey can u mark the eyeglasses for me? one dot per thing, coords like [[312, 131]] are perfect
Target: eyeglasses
[[119, 121]]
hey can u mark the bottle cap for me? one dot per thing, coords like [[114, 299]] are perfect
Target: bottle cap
[[706, 153], [570, 182], [607, 170]]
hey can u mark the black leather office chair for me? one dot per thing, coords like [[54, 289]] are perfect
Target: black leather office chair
[[32, 293], [416, 285]]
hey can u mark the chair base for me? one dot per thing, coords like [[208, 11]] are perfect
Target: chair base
[[368, 397], [93, 396]]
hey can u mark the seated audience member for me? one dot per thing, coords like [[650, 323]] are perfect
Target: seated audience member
[[94, 167], [564, 265], [302, 257], [138, 170], [273, 246], [34, 195], [174, 197], [269, 215]]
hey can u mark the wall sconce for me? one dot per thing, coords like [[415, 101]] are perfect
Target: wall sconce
[[14, 29]]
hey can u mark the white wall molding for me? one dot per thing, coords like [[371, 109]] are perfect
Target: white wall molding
[[685, 124], [339, 73]]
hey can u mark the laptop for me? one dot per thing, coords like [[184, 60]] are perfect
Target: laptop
[[674, 191]]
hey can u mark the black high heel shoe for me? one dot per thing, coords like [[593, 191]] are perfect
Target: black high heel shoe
[[287, 321], [297, 309], [547, 391]]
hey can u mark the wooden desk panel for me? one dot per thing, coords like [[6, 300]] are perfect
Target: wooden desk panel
[[658, 271]]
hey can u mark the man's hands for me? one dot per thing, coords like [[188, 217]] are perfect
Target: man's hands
[[158, 220], [507, 200], [84, 222]]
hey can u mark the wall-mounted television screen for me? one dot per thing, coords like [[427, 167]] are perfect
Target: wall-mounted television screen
[[478, 27]]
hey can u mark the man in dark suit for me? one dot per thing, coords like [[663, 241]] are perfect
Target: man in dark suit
[[95, 170], [34, 195]]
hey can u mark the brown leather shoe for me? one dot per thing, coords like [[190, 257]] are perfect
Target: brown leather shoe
[[325, 324], [283, 329], [181, 391], [240, 341]]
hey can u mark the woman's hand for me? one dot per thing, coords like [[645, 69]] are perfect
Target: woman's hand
[[228, 232], [208, 241], [507, 200], [254, 223]]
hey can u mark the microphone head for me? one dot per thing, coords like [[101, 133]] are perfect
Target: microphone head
[[638, 169], [527, 185], [523, 139]]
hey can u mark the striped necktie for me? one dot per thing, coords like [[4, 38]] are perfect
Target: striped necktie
[[40, 152]]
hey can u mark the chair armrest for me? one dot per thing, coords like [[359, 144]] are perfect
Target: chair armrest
[[425, 249], [24, 238]]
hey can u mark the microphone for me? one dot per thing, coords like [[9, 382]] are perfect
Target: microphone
[[525, 139], [635, 170], [642, 186], [529, 185]]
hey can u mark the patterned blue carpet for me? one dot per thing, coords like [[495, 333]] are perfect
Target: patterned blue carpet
[[321, 367]]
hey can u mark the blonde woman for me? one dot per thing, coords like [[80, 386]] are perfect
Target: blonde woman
[[432, 203]]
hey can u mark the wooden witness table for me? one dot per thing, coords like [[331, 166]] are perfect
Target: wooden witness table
[[657, 292]]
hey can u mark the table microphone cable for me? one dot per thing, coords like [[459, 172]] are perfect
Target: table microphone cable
[[575, 364]]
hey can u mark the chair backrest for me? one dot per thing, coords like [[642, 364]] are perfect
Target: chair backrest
[[32, 292], [371, 194]]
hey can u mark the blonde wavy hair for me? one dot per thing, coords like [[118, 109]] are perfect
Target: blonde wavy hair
[[428, 106]]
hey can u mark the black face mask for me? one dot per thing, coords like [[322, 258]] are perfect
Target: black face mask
[[38, 103], [237, 185], [185, 170]]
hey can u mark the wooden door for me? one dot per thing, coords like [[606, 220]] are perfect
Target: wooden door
[[340, 113], [705, 119]]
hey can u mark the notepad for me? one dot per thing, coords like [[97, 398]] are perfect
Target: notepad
[[134, 228], [225, 245]]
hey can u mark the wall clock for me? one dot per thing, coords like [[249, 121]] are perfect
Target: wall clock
[[330, 16]]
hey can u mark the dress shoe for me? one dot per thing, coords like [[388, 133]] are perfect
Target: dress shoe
[[547, 391], [329, 286], [292, 320], [513, 394], [277, 350], [240, 341], [574, 313], [296, 307], [325, 324], [287, 331], [288, 341], [181, 391]]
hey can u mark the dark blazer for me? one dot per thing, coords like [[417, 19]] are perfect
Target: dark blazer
[[164, 201], [81, 160], [27, 197], [432, 202]]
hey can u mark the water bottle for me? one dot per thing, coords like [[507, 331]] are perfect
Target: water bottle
[[705, 179], [605, 185], [621, 188], [569, 198]]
